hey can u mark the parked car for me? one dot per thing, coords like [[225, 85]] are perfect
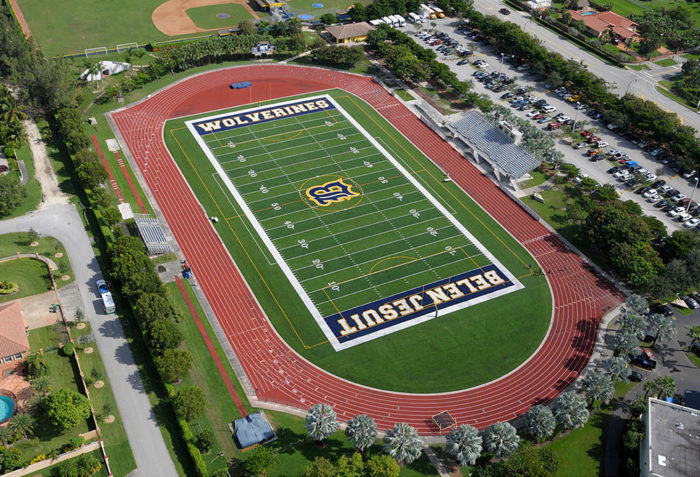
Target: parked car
[[690, 301], [579, 145], [635, 376], [661, 203], [504, 11], [642, 361], [553, 126], [649, 193], [662, 309], [549, 109], [676, 212], [691, 223]]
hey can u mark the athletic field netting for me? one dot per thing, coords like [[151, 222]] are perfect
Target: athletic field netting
[[365, 245]]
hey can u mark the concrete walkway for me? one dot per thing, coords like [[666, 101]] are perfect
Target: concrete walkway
[[64, 223]]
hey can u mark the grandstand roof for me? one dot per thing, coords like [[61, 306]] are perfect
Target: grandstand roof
[[349, 30], [152, 235], [495, 145]]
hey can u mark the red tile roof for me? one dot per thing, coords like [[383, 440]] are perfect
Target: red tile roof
[[601, 21], [13, 335]]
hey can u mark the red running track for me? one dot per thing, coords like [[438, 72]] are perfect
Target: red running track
[[279, 374]]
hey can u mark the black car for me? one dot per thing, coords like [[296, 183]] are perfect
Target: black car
[[463, 62], [613, 170], [632, 182], [635, 376], [658, 184], [643, 362], [669, 207], [504, 11], [661, 203], [641, 190], [662, 309], [672, 192]]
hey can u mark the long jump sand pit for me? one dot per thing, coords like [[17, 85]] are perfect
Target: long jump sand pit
[[171, 17]]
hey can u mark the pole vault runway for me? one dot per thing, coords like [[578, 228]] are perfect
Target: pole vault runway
[[278, 374]]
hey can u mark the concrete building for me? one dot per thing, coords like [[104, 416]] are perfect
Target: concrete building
[[671, 445], [350, 33]]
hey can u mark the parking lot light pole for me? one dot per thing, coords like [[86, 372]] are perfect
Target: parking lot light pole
[[500, 67], [630, 84], [687, 207]]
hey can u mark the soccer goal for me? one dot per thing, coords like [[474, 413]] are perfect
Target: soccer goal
[[127, 46], [100, 50]]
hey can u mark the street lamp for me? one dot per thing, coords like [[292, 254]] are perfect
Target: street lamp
[[687, 207], [500, 67], [629, 84]]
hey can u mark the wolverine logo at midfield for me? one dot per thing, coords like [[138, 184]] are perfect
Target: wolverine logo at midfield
[[331, 192]]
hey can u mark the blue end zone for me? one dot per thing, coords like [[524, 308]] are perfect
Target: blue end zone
[[260, 115], [410, 305]]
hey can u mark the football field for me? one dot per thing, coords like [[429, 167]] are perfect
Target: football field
[[368, 248]]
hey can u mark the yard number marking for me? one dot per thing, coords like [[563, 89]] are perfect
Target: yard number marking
[[317, 263], [289, 224], [414, 213], [303, 243]]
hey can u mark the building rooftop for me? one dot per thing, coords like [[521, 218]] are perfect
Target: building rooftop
[[674, 440], [494, 144], [350, 30], [13, 334]]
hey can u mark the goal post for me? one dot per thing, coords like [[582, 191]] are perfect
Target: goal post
[[121, 48], [100, 50]]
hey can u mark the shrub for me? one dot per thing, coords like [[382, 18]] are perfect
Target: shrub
[[68, 349], [204, 441], [189, 403]]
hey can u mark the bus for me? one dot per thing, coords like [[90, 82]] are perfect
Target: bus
[[108, 303], [399, 21], [415, 18]]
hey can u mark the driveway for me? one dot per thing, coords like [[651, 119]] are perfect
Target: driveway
[[64, 223]]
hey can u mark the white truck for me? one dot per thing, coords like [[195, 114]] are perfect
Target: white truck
[[415, 18]]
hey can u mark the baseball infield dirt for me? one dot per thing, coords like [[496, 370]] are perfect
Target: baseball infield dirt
[[171, 19]]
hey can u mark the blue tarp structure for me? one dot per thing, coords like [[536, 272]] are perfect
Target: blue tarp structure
[[241, 85], [252, 430]]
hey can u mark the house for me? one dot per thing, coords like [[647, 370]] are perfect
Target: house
[[670, 444], [539, 4], [350, 33], [105, 68], [13, 334], [598, 23]]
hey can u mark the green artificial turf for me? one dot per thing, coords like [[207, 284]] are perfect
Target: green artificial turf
[[518, 320], [207, 17]]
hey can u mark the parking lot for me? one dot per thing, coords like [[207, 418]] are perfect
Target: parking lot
[[594, 154]]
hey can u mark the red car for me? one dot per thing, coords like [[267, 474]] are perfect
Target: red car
[[586, 134], [3, 168], [436, 41], [593, 139], [553, 126], [537, 117]]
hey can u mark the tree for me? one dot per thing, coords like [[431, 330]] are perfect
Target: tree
[[174, 365], [616, 367], [352, 466], [597, 386], [102, 197], [146, 281], [189, 403], [662, 326], [531, 462], [11, 193], [65, 408], [91, 174], [261, 459], [501, 439], [6, 435], [204, 440], [665, 387], [633, 322], [35, 365], [41, 385], [626, 343], [403, 443], [320, 422], [11, 459], [327, 19], [570, 411], [694, 334], [320, 467], [21, 423], [162, 335], [382, 466], [153, 306], [539, 422], [464, 444], [650, 387], [247, 27], [362, 430], [637, 304], [111, 215]]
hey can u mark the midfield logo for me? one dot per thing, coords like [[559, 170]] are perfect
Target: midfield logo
[[331, 192]]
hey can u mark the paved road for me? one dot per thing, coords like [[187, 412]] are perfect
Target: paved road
[[641, 83], [64, 223]]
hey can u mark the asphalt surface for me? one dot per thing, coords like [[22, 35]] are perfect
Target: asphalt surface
[[595, 170], [64, 223], [642, 83]]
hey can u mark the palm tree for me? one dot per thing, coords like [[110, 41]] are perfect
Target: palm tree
[[539, 422], [362, 430], [633, 321], [694, 334], [665, 386], [21, 423], [597, 387], [650, 387], [662, 327], [637, 304], [403, 443], [9, 109], [616, 367], [570, 411], [42, 385], [464, 444], [36, 365], [320, 422], [5, 435], [626, 342], [501, 439]]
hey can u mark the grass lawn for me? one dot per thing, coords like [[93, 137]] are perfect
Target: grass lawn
[[103, 401], [580, 451], [53, 470], [666, 62], [693, 358], [677, 99], [63, 374], [31, 275], [629, 7], [49, 247], [638, 67], [538, 177], [691, 56], [208, 17], [468, 340], [403, 94], [70, 26], [32, 189]]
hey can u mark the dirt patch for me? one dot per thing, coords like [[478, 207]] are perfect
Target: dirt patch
[[58, 255], [34, 244], [171, 19], [80, 326], [99, 384], [88, 350], [65, 278], [109, 419], [35, 310]]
